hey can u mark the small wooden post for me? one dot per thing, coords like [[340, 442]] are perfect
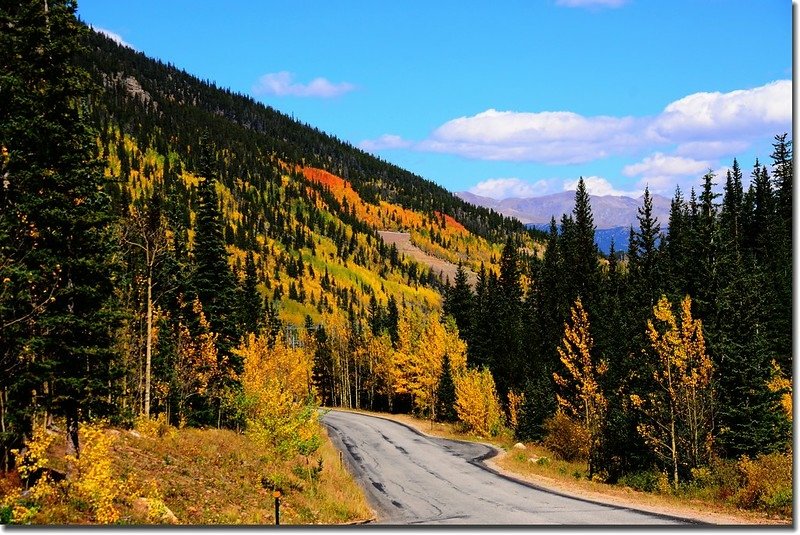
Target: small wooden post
[[277, 495]]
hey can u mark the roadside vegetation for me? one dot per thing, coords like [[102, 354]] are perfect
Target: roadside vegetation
[[158, 474]]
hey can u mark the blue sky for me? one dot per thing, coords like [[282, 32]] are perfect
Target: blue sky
[[502, 99]]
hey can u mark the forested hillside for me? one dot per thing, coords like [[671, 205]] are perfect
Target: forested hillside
[[206, 217], [173, 251]]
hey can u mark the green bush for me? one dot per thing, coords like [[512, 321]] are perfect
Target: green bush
[[642, 481]]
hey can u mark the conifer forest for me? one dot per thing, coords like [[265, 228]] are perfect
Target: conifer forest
[[174, 252]]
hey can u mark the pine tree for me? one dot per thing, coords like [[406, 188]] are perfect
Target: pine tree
[[56, 225], [458, 303], [251, 302], [583, 269], [646, 276], [446, 394], [212, 279]]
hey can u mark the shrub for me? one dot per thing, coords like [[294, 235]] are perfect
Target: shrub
[[767, 483], [641, 481], [567, 439]]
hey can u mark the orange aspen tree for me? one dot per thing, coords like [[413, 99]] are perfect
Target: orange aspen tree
[[581, 397], [677, 425]]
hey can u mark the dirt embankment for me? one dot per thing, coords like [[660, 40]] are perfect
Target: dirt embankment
[[443, 268]]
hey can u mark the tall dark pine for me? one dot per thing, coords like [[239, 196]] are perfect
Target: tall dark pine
[[446, 394], [646, 273], [251, 300], [506, 358], [212, 279], [584, 269], [56, 227], [458, 303]]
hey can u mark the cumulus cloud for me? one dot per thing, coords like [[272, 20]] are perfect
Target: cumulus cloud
[[591, 3], [596, 185], [700, 126], [551, 137], [385, 142], [661, 172], [117, 38], [736, 115], [504, 188], [282, 84]]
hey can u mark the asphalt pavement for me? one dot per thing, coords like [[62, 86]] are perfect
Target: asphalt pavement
[[411, 478]]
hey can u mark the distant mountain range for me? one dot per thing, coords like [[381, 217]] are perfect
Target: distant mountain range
[[613, 215]]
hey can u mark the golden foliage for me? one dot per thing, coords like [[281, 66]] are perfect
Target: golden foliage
[[515, 402], [780, 383], [93, 480], [581, 396], [678, 414], [477, 404], [278, 400]]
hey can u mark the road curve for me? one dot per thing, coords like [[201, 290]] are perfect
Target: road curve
[[410, 478]]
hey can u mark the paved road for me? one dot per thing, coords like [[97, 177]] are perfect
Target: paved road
[[410, 478]]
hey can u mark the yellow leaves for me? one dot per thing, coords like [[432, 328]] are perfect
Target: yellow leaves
[[34, 456], [277, 405], [583, 398], [781, 383], [94, 480], [515, 402], [91, 478], [477, 404]]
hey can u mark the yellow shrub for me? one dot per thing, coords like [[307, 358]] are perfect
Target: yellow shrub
[[93, 477], [566, 438], [477, 404], [767, 483], [157, 427], [278, 399]]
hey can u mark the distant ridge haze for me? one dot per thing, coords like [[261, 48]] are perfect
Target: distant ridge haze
[[609, 211]]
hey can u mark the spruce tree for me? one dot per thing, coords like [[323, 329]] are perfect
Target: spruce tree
[[446, 394], [251, 301], [458, 303], [57, 227], [212, 279]]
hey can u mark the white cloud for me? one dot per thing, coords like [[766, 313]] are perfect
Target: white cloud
[[737, 115], [659, 163], [504, 188], [591, 3], [661, 172], [551, 137], [385, 142], [702, 126], [117, 38], [282, 84], [596, 185]]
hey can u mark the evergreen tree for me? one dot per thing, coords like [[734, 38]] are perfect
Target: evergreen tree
[[212, 279], [56, 228], [458, 303], [583, 269], [251, 301], [446, 393]]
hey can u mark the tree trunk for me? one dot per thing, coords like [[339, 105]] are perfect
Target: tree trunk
[[148, 344], [71, 414]]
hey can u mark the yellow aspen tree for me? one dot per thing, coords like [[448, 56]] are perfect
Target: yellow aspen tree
[[780, 383], [677, 425], [278, 407], [477, 404], [196, 365], [581, 397]]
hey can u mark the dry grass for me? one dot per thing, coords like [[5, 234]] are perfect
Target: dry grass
[[220, 477]]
